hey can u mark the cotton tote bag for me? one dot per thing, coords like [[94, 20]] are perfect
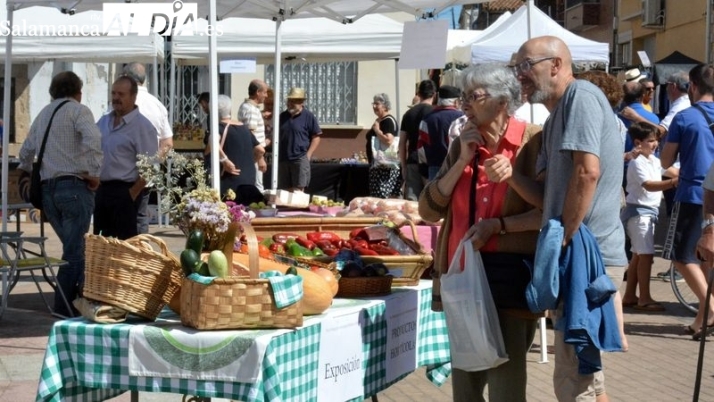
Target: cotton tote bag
[[475, 338]]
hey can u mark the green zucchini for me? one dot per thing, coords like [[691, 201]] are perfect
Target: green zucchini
[[189, 259], [195, 241]]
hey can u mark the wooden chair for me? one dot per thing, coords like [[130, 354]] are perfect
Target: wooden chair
[[23, 253]]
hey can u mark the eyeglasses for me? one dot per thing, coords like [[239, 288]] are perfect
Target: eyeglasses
[[649, 89], [474, 97], [526, 65]]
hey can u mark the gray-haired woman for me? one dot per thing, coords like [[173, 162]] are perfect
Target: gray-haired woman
[[472, 192], [385, 178]]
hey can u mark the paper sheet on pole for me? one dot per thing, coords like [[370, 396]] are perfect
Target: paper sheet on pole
[[402, 328], [424, 44], [341, 366], [238, 66]]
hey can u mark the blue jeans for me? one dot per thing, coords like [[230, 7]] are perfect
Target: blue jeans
[[433, 170], [68, 207]]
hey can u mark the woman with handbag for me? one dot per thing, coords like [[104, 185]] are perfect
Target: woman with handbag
[[472, 195], [239, 151], [385, 178]]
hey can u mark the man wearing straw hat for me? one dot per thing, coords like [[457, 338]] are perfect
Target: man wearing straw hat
[[299, 137]]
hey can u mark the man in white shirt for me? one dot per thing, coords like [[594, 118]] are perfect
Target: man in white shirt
[[249, 113], [155, 111]]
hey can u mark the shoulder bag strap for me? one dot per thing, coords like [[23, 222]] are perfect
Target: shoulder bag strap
[[472, 194], [706, 116], [47, 131], [224, 135]]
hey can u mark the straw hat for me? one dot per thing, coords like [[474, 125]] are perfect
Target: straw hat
[[296, 93], [634, 75]]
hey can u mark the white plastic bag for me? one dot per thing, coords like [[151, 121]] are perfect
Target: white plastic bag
[[475, 338]]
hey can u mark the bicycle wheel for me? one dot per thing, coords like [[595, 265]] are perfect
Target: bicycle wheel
[[682, 291]]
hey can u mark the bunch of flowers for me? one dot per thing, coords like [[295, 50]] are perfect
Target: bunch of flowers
[[195, 205]]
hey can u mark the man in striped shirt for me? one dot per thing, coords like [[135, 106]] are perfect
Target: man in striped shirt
[[249, 114]]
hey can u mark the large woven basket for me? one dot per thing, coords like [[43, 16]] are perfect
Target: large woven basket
[[364, 287], [236, 302], [411, 266], [130, 274]]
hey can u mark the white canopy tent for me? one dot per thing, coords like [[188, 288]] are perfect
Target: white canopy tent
[[277, 10], [458, 45], [499, 44], [372, 37], [77, 48]]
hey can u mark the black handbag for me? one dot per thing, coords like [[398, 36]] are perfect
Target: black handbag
[[35, 180]]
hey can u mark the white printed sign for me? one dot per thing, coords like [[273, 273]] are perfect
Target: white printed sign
[[424, 44], [238, 66], [402, 329], [341, 363]]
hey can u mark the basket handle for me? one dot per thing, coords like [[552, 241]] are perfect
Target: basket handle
[[142, 242], [253, 256], [415, 235]]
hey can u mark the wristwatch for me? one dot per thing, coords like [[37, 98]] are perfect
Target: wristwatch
[[707, 222]]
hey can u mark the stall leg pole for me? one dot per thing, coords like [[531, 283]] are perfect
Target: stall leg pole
[[543, 341]]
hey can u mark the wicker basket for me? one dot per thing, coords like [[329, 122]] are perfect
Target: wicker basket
[[363, 287], [412, 266], [130, 274], [267, 227], [236, 302]]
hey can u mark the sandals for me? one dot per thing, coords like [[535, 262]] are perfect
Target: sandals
[[651, 307], [705, 332]]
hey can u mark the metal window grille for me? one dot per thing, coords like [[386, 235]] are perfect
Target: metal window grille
[[331, 88], [190, 82]]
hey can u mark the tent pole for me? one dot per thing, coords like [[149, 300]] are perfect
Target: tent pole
[[172, 85], [6, 116], [155, 77], [213, 101], [396, 83], [708, 35], [276, 104]]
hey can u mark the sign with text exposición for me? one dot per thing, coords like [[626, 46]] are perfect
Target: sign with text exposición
[[341, 363]]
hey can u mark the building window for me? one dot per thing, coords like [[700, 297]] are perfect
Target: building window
[[331, 88], [624, 54]]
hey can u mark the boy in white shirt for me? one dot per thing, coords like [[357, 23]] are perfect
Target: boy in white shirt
[[644, 195]]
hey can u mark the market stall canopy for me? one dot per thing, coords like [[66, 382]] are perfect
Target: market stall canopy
[[458, 45], [338, 10], [51, 35], [501, 43], [671, 64], [372, 37]]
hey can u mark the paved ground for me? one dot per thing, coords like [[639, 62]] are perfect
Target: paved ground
[[660, 365]]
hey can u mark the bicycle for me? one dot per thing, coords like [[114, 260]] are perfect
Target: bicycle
[[683, 293]]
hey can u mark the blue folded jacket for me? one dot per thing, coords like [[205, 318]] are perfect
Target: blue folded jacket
[[576, 275]]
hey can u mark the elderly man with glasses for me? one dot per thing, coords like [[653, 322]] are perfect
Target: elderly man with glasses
[[581, 171]]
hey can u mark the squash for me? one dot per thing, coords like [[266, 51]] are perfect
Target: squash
[[317, 293], [328, 276]]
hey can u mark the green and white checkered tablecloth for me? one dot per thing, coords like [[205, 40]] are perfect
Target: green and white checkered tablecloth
[[89, 362]]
